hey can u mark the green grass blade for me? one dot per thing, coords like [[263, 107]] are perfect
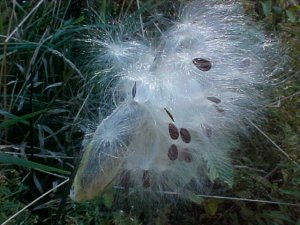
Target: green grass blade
[[20, 119], [9, 159]]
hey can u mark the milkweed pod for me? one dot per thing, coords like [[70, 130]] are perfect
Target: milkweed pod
[[104, 154], [180, 102]]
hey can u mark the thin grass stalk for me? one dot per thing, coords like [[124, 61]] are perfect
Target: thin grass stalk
[[24, 20], [273, 143], [141, 20], [34, 201]]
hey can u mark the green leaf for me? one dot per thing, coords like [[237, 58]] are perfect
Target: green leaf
[[20, 119], [9, 159], [219, 167], [291, 16], [279, 217], [211, 206], [79, 20], [108, 200], [267, 7], [291, 191]]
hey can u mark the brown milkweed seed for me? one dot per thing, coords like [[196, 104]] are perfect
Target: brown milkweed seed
[[186, 155], [173, 131], [173, 152], [202, 64], [125, 179], [146, 179], [220, 110], [214, 99], [185, 135]]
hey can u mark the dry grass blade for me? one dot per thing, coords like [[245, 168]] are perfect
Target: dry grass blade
[[29, 74], [249, 200], [280, 100], [71, 64], [24, 20], [273, 143], [141, 19]]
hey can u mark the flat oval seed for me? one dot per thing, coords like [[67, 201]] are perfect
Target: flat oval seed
[[173, 152], [185, 135], [214, 99], [173, 131], [202, 64], [186, 155], [220, 110], [146, 179], [125, 179]]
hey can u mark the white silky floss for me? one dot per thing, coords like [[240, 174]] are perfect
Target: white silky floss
[[178, 107]]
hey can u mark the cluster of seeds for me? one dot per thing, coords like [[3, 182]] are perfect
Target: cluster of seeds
[[185, 136], [173, 152]]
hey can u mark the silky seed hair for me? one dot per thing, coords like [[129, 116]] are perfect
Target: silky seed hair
[[177, 108]]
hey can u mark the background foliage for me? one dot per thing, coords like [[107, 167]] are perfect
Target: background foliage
[[44, 97]]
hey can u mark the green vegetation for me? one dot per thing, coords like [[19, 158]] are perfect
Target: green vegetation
[[43, 96]]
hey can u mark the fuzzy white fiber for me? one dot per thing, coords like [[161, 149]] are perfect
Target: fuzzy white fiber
[[179, 104]]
